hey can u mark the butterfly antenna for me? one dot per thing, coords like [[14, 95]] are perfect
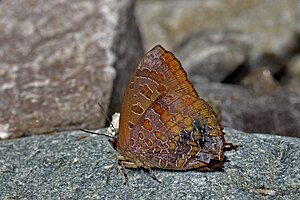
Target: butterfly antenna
[[102, 109], [91, 132]]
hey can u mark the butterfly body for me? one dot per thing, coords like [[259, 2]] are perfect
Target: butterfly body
[[163, 123]]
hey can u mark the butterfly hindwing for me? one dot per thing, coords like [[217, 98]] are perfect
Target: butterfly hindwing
[[177, 132]]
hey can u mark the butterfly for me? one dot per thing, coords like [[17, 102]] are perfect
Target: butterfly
[[164, 123]]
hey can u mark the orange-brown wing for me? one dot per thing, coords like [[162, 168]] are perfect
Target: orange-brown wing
[[178, 131], [158, 72]]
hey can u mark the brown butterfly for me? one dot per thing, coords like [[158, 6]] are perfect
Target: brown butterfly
[[163, 123]]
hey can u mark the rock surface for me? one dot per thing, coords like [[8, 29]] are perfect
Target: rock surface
[[271, 26], [58, 59], [68, 166], [293, 71], [208, 52]]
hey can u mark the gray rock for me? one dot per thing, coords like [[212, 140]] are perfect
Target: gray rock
[[129, 50], [266, 73], [274, 63], [63, 166], [215, 55], [298, 18], [58, 60], [293, 70], [271, 26], [261, 80]]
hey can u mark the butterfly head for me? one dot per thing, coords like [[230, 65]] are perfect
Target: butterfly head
[[114, 142]]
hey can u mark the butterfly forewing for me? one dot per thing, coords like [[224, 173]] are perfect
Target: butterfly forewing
[[158, 72]]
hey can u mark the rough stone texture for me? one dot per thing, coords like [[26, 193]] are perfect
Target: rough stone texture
[[275, 112], [67, 166], [274, 63], [129, 51], [293, 70], [270, 24], [266, 73], [57, 61], [298, 18], [261, 80], [215, 55]]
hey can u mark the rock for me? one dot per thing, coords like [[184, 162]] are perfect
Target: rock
[[216, 55], [58, 59], [266, 73], [271, 26], [261, 80], [274, 63], [129, 51], [68, 166], [293, 71]]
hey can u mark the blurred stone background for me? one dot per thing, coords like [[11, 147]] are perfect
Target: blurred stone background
[[58, 59]]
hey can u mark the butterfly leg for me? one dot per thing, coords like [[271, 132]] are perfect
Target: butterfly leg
[[122, 160], [116, 164], [124, 172], [125, 164], [132, 165], [153, 175], [230, 146]]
